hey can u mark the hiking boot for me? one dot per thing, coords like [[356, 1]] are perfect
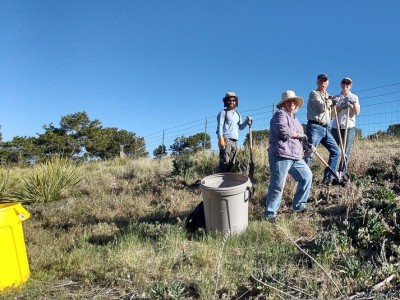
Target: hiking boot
[[328, 181], [301, 211], [271, 219]]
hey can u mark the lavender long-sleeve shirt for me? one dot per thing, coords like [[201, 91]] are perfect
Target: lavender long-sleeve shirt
[[281, 141]]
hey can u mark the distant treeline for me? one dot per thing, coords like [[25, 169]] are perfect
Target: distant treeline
[[81, 139]]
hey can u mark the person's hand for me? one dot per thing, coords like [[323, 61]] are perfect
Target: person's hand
[[249, 120], [221, 143], [312, 148], [351, 100], [345, 104], [334, 101], [302, 137], [329, 102]]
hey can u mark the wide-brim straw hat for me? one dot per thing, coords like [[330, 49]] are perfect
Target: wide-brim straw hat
[[289, 95]]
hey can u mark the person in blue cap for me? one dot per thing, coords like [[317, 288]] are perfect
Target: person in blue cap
[[319, 115]]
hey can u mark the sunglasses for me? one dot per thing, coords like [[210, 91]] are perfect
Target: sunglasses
[[323, 80], [229, 101]]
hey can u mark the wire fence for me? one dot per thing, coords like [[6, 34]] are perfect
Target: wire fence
[[380, 108]]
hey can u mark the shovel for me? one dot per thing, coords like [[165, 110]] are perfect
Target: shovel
[[345, 134], [325, 163], [251, 164], [340, 137]]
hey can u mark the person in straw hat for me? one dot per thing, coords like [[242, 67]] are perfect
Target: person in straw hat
[[285, 154], [229, 121]]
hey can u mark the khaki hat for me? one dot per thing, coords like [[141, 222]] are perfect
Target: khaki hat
[[288, 95], [229, 95]]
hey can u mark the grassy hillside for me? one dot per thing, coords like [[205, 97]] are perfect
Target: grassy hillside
[[119, 234]]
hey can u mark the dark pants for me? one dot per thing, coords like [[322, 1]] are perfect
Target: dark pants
[[227, 156]]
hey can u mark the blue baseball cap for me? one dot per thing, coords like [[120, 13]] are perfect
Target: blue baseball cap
[[322, 76]]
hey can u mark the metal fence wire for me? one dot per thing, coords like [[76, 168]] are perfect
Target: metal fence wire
[[380, 108]]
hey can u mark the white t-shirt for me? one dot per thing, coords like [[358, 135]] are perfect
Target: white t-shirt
[[342, 115]]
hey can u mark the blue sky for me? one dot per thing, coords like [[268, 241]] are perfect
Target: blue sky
[[146, 66]]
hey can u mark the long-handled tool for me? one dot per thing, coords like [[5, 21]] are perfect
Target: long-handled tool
[[251, 164], [346, 133], [340, 136], [314, 150], [347, 127]]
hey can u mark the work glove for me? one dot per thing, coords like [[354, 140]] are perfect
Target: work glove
[[334, 100], [345, 104], [302, 137], [221, 143], [329, 102], [351, 100]]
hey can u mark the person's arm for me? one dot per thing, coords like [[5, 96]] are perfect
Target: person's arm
[[317, 102], [356, 105], [282, 125], [242, 125], [220, 129]]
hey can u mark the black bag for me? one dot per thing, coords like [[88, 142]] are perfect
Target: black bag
[[196, 219]]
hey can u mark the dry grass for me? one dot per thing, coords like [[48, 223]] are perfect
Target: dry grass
[[120, 235]]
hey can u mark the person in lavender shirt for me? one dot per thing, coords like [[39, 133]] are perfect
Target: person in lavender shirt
[[285, 153]]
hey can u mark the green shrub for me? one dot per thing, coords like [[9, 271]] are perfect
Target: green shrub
[[354, 268], [164, 291], [8, 186], [49, 181], [183, 165], [329, 243], [383, 170], [371, 222]]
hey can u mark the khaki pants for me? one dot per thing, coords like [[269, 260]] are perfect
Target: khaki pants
[[227, 156]]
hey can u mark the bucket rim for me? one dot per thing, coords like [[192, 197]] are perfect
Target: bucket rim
[[246, 183]]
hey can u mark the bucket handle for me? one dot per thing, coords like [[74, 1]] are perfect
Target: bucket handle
[[250, 190], [22, 213]]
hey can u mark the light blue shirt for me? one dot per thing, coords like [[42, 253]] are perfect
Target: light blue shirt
[[229, 123]]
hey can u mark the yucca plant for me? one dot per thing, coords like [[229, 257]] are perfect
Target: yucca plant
[[49, 181], [8, 186]]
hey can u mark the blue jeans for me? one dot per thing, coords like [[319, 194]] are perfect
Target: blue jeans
[[280, 167], [351, 134], [318, 134]]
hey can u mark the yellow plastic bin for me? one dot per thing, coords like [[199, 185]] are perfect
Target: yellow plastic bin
[[14, 267]]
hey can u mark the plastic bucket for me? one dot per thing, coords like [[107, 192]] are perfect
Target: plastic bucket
[[14, 267], [225, 197]]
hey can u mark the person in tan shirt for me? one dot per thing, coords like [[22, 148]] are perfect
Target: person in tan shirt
[[319, 115]]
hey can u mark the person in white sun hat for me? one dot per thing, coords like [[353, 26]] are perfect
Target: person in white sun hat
[[285, 153], [229, 122]]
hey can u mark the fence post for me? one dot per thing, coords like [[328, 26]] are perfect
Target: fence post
[[204, 139], [162, 144]]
